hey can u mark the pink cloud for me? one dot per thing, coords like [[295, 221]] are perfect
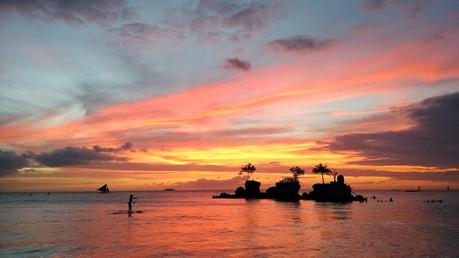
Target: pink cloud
[[271, 91]]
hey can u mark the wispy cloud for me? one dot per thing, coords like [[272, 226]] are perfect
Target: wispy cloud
[[300, 44], [269, 89], [410, 7], [75, 12], [234, 20], [254, 16], [144, 35]]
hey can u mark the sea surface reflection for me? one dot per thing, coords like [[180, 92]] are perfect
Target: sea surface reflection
[[190, 223]]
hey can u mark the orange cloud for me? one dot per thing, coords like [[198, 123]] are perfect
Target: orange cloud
[[205, 124]]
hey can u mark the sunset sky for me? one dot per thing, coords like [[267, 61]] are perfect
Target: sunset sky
[[147, 95]]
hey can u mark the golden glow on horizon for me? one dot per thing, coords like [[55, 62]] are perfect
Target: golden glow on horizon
[[199, 124], [267, 153]]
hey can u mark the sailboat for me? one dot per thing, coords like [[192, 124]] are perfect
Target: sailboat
[[103, 189]]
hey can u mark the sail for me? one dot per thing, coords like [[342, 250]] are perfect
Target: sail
[[104, 189]]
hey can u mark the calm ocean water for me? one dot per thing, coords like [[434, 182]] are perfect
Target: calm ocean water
[[190, 223]]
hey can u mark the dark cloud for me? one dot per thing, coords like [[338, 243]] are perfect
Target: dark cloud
[[236, 64], [433, 141], [10, 162], [300, 44], [374, 4], [73, 12], [98, 148], [410, 7], [126, 146], [71, 156]]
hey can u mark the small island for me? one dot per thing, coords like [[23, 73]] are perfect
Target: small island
[[288, 188]]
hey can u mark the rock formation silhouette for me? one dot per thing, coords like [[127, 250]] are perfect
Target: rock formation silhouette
[[288, 189]]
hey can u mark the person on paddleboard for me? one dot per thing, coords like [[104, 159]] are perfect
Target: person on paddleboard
[[131, 201]]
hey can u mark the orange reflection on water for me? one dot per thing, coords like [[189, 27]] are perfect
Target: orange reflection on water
[[190, 223]]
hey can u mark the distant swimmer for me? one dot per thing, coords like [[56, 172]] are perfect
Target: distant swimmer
[[131, 201]]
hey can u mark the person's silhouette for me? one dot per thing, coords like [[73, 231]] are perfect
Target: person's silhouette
[[131, 201]]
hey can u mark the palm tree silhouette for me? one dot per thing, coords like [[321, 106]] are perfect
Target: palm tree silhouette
[[249, 169], [322, 169], [334, 173]]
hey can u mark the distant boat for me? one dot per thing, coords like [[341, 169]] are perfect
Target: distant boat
[[169, 189], [104, 189], [412, 191]]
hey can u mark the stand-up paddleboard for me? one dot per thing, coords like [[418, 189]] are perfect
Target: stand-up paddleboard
[[126, 212]]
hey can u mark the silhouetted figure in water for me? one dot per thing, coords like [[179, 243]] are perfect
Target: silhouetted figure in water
[[390, 200], [131, 201]]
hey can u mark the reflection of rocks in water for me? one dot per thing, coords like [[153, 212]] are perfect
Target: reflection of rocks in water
[[332, 211], [341, 212], [434, 201]]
